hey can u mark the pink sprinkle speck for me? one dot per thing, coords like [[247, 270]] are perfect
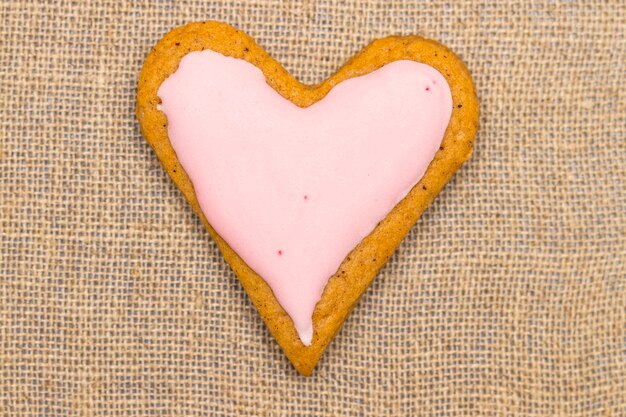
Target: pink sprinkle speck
[[306, 197], [280, 252], [427, 88]]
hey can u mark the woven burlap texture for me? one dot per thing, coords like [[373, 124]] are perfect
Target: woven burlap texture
[[507, 298]]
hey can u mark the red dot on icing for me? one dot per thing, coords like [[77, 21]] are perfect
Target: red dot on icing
[[280, 252], [427, 88], [306, 197]]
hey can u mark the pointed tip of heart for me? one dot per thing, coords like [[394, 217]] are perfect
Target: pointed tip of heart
[[306, 335]]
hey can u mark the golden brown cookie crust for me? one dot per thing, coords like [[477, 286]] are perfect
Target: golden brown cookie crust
[[361, 266]]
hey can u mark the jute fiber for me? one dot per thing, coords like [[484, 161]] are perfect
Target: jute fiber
[[507, 298]]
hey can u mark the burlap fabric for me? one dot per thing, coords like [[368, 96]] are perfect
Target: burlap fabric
[[507, 298]]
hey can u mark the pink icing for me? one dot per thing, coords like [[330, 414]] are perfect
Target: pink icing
[[293, 190]]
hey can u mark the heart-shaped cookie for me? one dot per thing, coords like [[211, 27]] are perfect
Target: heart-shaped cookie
[[306, 190]]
